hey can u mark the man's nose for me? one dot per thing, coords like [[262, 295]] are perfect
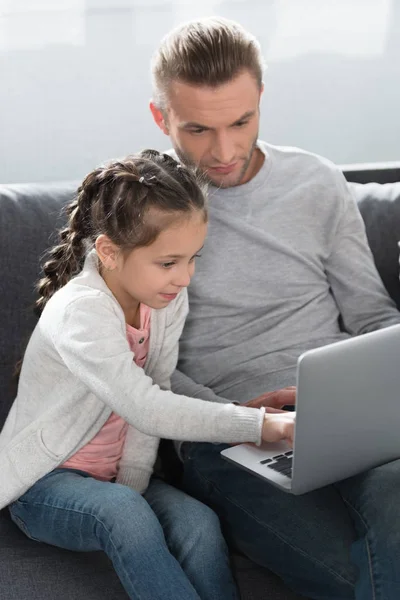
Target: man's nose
[[224, 150]]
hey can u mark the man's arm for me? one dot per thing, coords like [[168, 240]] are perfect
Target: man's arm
[[182, 384], [362, 299]]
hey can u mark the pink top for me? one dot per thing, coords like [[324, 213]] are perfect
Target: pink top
[[100, 457]]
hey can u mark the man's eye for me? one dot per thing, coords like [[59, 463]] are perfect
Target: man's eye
[[197, 131], [167, 265], [241, 123]]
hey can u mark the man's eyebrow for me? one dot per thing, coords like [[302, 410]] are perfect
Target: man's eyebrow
[[247, 115], [194, 125]]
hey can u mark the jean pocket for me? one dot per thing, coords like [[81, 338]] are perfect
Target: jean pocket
[[20, 523]]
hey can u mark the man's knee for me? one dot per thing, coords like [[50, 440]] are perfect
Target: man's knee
[[205, 529]]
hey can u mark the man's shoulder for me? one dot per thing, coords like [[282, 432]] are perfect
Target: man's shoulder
[[311, 174], [292, 157]]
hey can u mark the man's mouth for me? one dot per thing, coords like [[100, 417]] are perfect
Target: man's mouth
[[223, 169]]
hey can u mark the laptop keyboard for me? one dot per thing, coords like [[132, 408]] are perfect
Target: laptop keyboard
[[281, 463]]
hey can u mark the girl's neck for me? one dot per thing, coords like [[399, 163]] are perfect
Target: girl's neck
[[129, 305], [132, 315]]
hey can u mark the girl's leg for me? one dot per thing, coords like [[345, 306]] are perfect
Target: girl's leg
[[72, 510], [194, 537]]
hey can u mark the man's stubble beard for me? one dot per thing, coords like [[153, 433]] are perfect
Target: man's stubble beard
[[189, 162]]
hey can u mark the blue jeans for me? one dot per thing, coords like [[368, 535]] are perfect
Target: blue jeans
[[342, 541], [164, 546]]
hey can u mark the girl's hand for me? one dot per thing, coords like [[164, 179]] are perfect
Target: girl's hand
[[278, 425]]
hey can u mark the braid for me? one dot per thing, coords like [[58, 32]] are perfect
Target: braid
[[188, 177], [67, 257]]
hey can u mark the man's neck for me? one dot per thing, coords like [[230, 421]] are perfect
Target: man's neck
[[256, 162]]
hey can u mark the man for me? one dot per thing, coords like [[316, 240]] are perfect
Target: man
[[286, 267]]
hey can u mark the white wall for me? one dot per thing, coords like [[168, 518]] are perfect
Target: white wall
[[75, 84]]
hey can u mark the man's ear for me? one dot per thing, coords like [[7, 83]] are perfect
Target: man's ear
[[159, 118]]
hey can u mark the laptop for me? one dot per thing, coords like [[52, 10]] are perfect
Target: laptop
[[347, 416]]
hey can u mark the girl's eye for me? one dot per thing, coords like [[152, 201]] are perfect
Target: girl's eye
[[169, 265]]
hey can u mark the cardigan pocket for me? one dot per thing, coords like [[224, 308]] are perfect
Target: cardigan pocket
[[23, 464], [46, 449], [31, 458]]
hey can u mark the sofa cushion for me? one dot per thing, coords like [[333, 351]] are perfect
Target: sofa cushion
[[380, 208]]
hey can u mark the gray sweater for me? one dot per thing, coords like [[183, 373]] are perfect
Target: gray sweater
[[286, 267], [78, 368]]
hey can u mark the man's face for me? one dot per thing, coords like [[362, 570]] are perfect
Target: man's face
[[215, 129]]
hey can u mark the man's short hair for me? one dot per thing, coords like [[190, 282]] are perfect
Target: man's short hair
[[207, 52]]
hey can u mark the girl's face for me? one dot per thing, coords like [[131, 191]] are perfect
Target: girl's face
[[155, 274]]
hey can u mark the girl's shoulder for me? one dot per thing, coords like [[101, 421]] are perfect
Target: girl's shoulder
[[82, 299]]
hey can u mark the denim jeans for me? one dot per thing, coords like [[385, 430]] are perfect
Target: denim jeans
[[164, 545], [338, 542]]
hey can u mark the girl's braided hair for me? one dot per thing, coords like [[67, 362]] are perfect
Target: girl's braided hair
[[115, 200]]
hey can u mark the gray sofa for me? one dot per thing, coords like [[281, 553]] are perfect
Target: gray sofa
[[28, 216]]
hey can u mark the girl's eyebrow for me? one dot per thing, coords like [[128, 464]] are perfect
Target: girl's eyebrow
[[164, 256], [174, 256]]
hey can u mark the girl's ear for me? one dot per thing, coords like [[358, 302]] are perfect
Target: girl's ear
[[107, 252]]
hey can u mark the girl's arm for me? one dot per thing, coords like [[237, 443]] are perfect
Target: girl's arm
[[139, 455], [92, 344]]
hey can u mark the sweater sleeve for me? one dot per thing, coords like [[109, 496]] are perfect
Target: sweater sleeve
[[359, 292], [138, 458], [91, 343], [182, 384]]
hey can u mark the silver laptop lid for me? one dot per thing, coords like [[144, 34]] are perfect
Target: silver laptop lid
[[348, 410]]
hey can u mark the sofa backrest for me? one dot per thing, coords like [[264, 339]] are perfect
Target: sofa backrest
[[379, 205], [30, 215]]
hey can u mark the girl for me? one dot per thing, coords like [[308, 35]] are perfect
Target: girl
[[80, 441]]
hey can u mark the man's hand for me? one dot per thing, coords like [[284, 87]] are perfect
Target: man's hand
[[275, 399]]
